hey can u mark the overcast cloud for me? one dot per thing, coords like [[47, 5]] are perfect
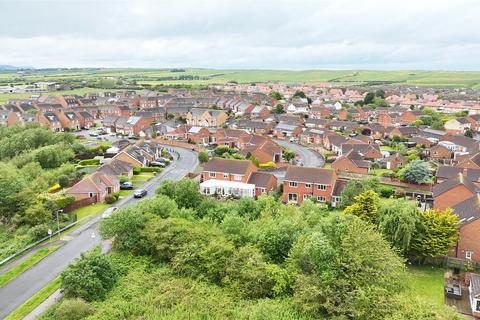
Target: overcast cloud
[[280, 34]]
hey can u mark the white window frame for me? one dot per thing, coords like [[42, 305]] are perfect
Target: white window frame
[[212, 174], [90, 194], [293, 184], [237, 177], [306, 196], [263, 190], [322, 187], [468, 255], [308, 185], [291, 195], [321, 199], [225, 175]]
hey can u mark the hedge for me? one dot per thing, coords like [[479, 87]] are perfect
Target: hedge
[[89, 162], [150, 169]]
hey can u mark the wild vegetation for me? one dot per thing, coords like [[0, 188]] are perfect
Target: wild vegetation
[[33, 160], [181, 255]]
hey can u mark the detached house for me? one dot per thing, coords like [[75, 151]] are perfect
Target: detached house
[[351, 162], [226, 177], [98, 185], [458, 126], [206, 117], [304, 183]]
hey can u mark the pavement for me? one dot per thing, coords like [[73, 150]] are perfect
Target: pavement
[[85, 238]]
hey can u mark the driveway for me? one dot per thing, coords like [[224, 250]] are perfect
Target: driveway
[[16, 292], [309, 157]]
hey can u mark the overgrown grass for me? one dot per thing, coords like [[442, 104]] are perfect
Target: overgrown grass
[[35, 300], [26, 264]]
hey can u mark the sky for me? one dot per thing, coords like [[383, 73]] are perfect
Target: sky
[[241, 34]]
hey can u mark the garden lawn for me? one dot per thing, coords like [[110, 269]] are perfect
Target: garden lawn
[[125, 193], [379, 172], [143, 177], [92, 210], [386, 148], [26, 264], [426, 282]]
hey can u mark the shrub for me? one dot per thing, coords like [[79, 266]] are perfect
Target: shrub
[[74, 309], [110, 199], [38, 231], [137, 170], [90, 277], [150, 169], [203, 157], [63, 180], [267, 165], [386, 191], [123, 179], [64, 201], [54, 188]]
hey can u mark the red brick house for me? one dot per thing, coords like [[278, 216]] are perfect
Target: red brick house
[[471, 163], [199, 135], [228, 177], [351, 162], [50, 120], [468, 244], [98, 185], [303, 183], [395, 161], [8, 118], [453, 191]]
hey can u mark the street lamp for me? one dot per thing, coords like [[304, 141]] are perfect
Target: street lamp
[[58, 221]]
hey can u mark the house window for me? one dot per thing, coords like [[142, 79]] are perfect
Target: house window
[[308, 185], [237, 177], [468, 255], [306, 196], [322, 187], [293, 184], [336, 199], [225, 175], [292, 197], [477, 305], [321, 199], [211, 174], [262, 190], [90, 194]]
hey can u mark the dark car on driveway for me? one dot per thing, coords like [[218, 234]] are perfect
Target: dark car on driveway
[[126, 186], [140, 193]]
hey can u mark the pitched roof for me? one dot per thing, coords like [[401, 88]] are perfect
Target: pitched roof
[[449, 184], [310, 175], [227, 166], [260, 179], [468, 210]]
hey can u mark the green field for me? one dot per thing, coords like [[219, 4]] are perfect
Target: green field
[[212, 76]]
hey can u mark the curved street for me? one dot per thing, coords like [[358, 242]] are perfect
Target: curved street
[[308, 157], [20, 289]]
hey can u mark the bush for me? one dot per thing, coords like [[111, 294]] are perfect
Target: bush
[[90, 277], [267, 165], [386, 191], [123, 179], [63, 180], [74, 309], [54, 188], [89, 162], [203, 157], [64, 201], [150, 169], [137, 170], [38, 231], [110, 199]]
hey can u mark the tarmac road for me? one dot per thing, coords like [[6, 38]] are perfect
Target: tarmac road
[[16, 292]]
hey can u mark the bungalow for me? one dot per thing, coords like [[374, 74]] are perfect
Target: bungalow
[[140, 154], [304, 182], [117, 167], [98, 185], [367, 151]]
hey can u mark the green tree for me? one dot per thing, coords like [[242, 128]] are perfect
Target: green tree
[[203, 157], [299, 94], [345, 270], [288, 155], [63, 180], [416, 171], [187, 194], [365, 206], [398, 220], [369, 97], [355, 187], [90, 277], [468, 133], [437, 233], [167, 188], [278, 109], [275, 95]]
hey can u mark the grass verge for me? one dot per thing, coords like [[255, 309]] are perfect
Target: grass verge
[[26, 264], [90, 210], [35, 300]]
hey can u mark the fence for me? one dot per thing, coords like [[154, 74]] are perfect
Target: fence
[[452, 262], [81, 203]]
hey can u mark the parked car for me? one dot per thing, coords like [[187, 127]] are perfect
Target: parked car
[[108, 212], [157, 164], [93, 134], [126, 186], [140, 193]]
